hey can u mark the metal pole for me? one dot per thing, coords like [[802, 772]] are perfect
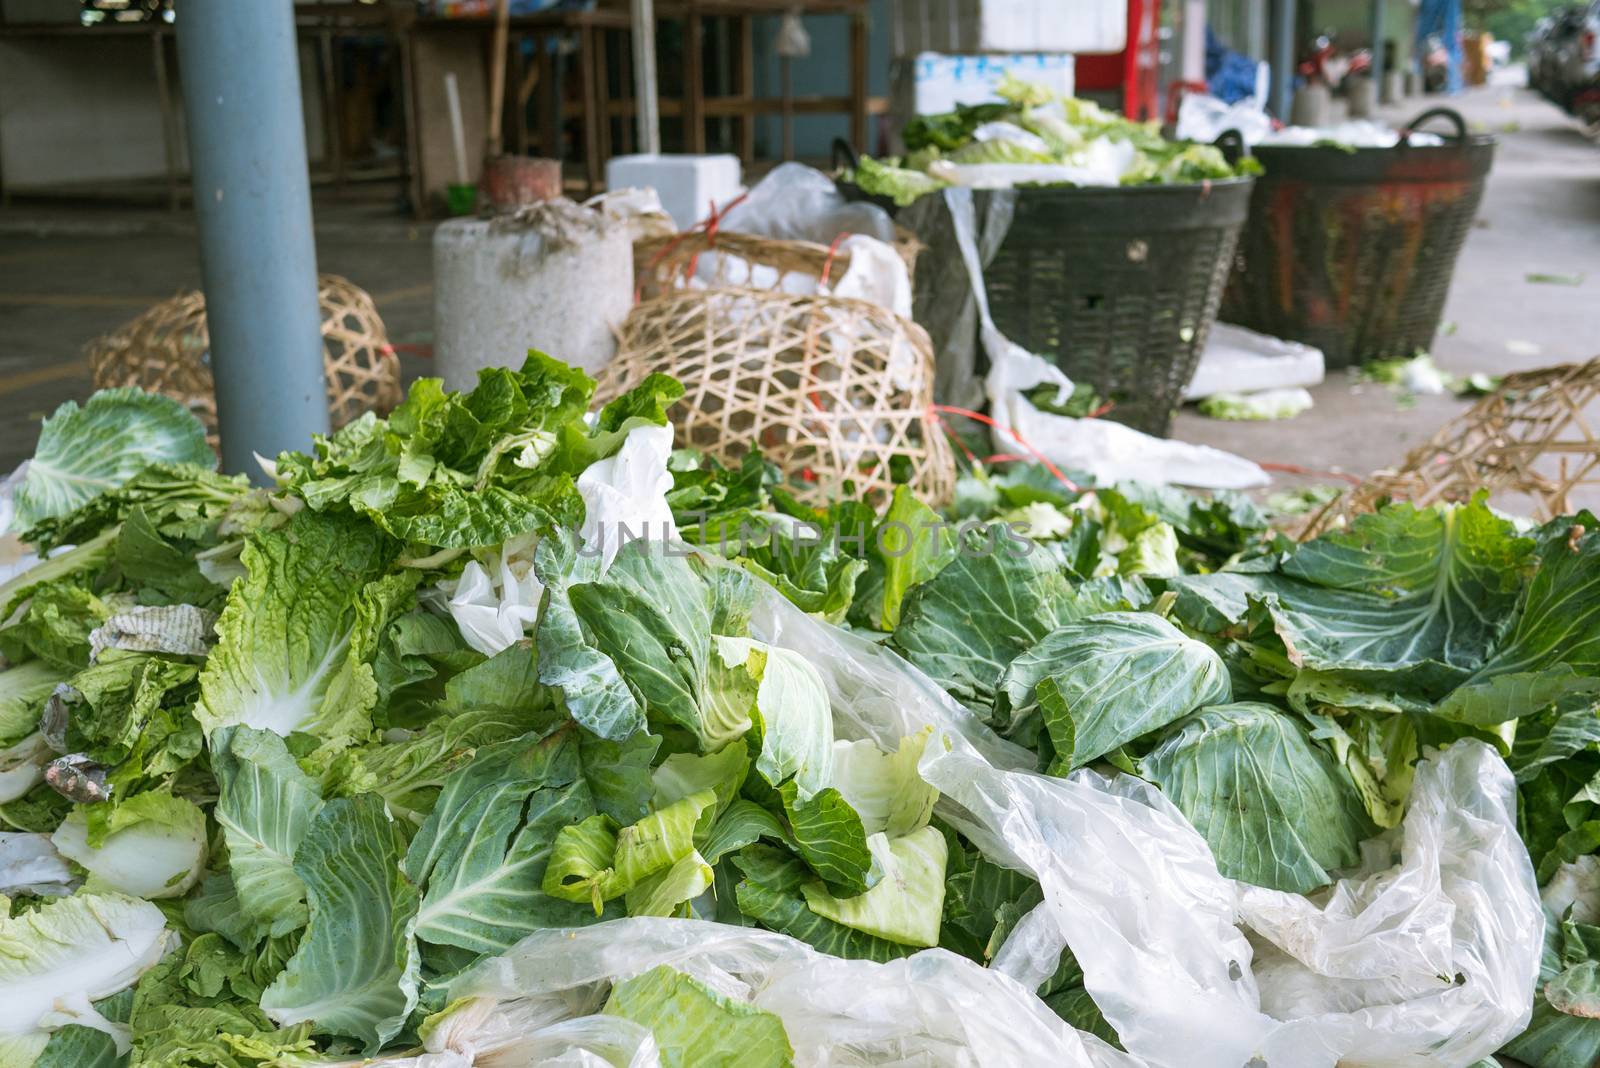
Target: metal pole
[[1194, 41], [644, 76], [1283, 59], [1377, 48], [252, 198]]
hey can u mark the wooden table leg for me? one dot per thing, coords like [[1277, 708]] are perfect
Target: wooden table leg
[[549, 100], [527, 81], [169, 133], [629, 96], [694, 84], [332, 129], [591, 107], [858, 82], [747, 87], [602, 86]]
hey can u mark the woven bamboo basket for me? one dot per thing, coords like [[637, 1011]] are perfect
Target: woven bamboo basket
[[1531, 444], [168, 350], [837, 392]]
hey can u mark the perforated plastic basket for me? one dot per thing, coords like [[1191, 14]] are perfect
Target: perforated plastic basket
[[1353, 250], [1119, 286]]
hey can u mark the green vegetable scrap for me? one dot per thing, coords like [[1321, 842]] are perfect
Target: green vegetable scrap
[[1043, 139], [287, 766]]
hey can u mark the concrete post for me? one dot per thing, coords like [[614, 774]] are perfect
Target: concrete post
[[252, 197]]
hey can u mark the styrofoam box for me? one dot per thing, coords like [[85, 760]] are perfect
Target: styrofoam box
[[688, 185], [939, 83], [969, 27]]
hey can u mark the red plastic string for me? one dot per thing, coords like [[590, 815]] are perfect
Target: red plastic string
[[425, 351], [712, 223], [827, 264], [950, 433], [1296, 469], [1037, 455]]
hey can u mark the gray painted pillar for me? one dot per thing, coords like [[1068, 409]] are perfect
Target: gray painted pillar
[[1377, 46], [1283, 58], [252, 199]]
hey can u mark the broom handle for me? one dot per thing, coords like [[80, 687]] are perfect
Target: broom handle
[[497, 74]]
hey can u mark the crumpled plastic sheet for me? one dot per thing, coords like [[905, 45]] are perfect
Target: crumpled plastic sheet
[[624, 498], [932, 1009], [1108, 451], [30, 864], [1430, 962], [799, 203]]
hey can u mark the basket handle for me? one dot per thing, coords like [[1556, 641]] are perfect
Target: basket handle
[[845, 155], [1450, 115], [1232, 145]]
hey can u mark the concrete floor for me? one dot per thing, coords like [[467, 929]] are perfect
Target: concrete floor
[[1540, 214], [70, 274]]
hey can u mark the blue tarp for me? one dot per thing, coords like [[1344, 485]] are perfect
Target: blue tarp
[[1230, 75]]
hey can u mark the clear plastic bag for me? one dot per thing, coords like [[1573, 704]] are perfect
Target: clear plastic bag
[[932, 1009], [1430, 961], [1109, 451]]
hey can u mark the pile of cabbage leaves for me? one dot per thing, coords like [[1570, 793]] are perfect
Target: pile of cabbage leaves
[[291, 776], [1034, 136]]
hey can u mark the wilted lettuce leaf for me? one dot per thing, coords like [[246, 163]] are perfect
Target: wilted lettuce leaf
[[885, 789], [89, 945], [23, 690], [152, 845], [1275, 809], [696, 1027], [1113, 677], [266, 804], [915, 544], [480, 856], [409, 771], [84, 452], [181, 501], [1415, 599], [80, 565], [54, 626], [186, 1012], [769, 891], [1379, 750], [594, 861], [787, 706], [907, 903], [1554, 648], [417, 654], [78, 1046], [1565, 1029], [466, 470], [161, 570], [649, 622], [134, 710], [297, 635], [356, 971], [978, 614]]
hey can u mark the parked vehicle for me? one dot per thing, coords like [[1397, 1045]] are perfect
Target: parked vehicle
[[1564, 60]]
